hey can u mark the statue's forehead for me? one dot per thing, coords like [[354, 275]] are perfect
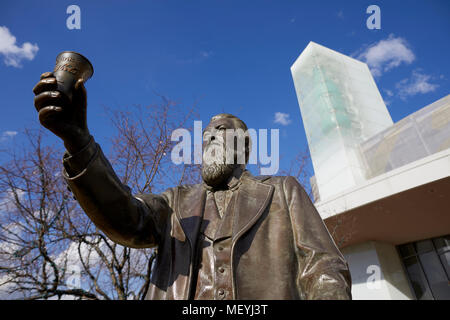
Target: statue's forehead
[[228, 122]]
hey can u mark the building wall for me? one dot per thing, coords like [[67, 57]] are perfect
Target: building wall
[[341, 107], [377, 272], [381, 180]]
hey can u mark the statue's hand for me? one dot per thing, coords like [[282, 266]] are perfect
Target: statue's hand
[[64, 117]]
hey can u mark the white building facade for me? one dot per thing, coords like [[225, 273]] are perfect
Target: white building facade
[[383, 189]]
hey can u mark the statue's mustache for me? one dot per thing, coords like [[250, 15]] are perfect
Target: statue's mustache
[[214, 152]]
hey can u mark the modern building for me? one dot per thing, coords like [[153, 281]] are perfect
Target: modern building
[[382, 188]]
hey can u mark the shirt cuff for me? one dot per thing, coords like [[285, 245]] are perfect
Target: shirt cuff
[[75, 163]]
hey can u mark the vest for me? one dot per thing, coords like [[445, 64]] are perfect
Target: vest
[[214, 279]]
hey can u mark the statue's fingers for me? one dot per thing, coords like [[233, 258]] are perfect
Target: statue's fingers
[[47, 98], [79, 85], [46, 75], [80, 92], [48, 111], [79, 88], [47, 84]]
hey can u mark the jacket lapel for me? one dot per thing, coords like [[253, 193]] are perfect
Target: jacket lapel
[[191, 204], [253, 198]]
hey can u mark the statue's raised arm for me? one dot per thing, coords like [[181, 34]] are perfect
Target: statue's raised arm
[[124, 218]]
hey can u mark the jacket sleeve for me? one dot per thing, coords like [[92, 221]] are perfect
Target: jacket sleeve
[[133, 221], [323, 272]]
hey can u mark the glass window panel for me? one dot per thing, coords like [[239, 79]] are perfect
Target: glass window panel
[[424, 246], [407, 250], [445, 259], [442, 244], [439, 243], [447, 241], [418, 280], [436, 275]]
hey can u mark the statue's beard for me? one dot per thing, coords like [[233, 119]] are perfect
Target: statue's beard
[[216, 174], [215, 170]]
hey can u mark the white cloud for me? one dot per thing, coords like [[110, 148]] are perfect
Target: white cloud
[[6, 285], [417, 83], [8, 199], [340, 14], [386, 54], [12, 53], [389, 92], [7, 135], [282, 118], [206, 54], [71, 256]]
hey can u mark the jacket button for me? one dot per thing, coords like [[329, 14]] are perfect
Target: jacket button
[[220, 248], [221, 269], [221, 292]]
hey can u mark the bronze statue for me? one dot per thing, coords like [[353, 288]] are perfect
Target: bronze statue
[[235, 236]]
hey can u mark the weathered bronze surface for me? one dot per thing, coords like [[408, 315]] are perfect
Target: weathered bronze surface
[[69, 68], [235, 236]]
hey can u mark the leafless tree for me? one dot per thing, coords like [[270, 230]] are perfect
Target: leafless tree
[[298, 168], [49, 249], [142, 146]]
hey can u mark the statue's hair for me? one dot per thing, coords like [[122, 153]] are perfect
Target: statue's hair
[[230, 116]]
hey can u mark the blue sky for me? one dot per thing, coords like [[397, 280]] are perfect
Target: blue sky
[[228, 56]]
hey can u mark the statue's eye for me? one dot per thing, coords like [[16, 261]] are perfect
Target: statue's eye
[[221, 128]]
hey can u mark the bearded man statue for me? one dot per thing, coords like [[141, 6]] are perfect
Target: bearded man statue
[[234, 236]]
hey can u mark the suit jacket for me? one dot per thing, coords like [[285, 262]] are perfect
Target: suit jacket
[[280, 247]]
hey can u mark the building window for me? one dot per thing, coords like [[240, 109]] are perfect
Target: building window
[[427, 265]]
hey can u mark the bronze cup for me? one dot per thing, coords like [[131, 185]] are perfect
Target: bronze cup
[[69, 68]]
